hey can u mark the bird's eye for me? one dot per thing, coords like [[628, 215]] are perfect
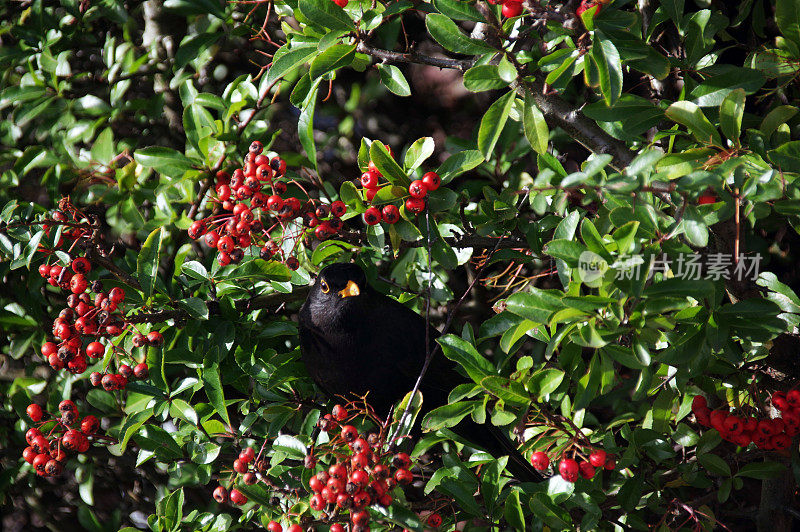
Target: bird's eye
[[324, 286]]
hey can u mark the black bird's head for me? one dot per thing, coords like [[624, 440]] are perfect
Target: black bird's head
[[339, 285]]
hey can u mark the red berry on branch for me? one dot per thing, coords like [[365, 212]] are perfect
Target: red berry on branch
[[540, 461], [40, 462], [279, 187], [568, 469], [315, 484], [698, 401], [372, 216], [432, 180], [256, 147], [390, 214], [336, 527], [81, 265], [369, 179], [292, 263], [274, 203], [249, 478], [403, 476], [95, 350], [338, 208], [512, 9], [349, 433], [78, 284], [415, 205], [793, 398], [126, 371], [598, 458], [434, 520], [587, 471], [341, 3], [116, 295], [89, 424], [371, 192], [44, 270], [29, 454], [247, 455], [417, 189], [34, 412], [295, 528], [237, 497], [220, 494], [339, 412], [317, 502], [239, 466], [155, 338], [360, 518]]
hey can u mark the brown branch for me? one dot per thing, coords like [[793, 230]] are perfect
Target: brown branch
[[421, 59]]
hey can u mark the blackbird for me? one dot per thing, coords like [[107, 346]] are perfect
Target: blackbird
[[355, 340]]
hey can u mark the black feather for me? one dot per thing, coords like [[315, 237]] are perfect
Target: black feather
[[372, 345]]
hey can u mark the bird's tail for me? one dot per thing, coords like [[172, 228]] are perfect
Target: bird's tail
[[498, 444]]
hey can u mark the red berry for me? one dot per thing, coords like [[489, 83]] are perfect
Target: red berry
[[415, 205], [89, 425], [359, 518], [434, 520], [116, 294], [432, 180], [264, 172], [338, 209], [780, 402], [239, 466], [707, 199], [317, 502], [598, 458], [220, 494], [390, 214], [40, 461], [417, 189], [78, 284], [361, 499], [274, 203], [237, 497], [44, 270], [369, 179], [154, 338], [141, 371], [29, 454], [339, 413], [274, 526], [568, 469], [34, 412], [336, 527], [341, 3], [586, 470], [703, 416], [793, 398], [295, 528], [247, 455], [315, 484], [699, 401], [81, 265], [359, 477], [372, 216], [733, 425], [95, 350], [225, 244], [512, 9], [401, 461], [359, 461], [49, 348], [780, 441], [540, 461], [403, 476]]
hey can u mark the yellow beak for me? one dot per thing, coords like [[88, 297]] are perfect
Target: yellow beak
[[350, 290]]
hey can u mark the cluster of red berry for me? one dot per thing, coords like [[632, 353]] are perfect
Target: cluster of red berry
[[360, 474], [765, 433], [341, 3], [70, 433], [390, 213], [246, 196], [90, 315], [364, 477], [569, 468]]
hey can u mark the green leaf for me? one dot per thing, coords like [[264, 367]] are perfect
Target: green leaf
[[305, 125], [493, 122], [289, 60], [447, 33], [165, 161], [178, 408], [196, 307], [394, 80], [689, 115], [131, 425], [193, 46], [536, 130], [787, 16], [545, 382], [513, 511], [567, 250], [158, 440], [148, 261], [458, 163], [536, 305], [761, 470], [731, 112], [509, 391], [609, 67], [483, 78], [715, 464], [290, 445], [418, 152], [387, 165], [713, 90], [464, 353], [695, 227], [448, 415], [204, 453], [103, 147], [213, 388], [776, 117], [458, 10], [333, 57], [326, 14]]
